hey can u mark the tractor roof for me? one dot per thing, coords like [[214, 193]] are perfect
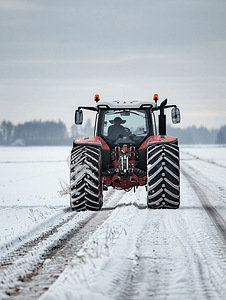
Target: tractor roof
[[122, 104]]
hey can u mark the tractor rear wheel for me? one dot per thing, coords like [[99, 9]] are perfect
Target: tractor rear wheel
[[163, 176], [86, 187]]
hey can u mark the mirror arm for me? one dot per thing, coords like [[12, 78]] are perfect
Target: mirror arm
[[87, 107], [166, 106], [169, 106]]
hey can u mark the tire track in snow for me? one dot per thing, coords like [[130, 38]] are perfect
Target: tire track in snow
[[202, 159], [166, 254], [28, 246], [209, 174], [212, 212], [202, 258], [175, 257], [27, 262], [44, 265], [135, 278], [155, 270]]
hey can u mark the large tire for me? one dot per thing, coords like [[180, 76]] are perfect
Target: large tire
[[163, 176], [86, 187]]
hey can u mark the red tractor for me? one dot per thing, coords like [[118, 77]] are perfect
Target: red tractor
[[124, 153]]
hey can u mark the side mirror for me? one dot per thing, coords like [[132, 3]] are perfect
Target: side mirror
[[78, 117], [175, 115]]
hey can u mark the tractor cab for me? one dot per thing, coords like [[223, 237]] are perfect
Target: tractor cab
[[128, 122], [124, 126]]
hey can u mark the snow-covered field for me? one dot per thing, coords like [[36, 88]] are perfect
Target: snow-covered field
[[212, 153], [133, 252], [29, 185]]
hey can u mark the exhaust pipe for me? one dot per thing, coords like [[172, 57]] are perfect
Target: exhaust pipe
[[162, 118]]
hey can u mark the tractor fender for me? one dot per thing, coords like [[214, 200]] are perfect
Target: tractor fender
[[93, 141], [155, 139]]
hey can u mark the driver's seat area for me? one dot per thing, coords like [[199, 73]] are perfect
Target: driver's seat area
[[114, 131]]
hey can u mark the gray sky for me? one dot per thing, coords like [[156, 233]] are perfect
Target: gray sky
[[56, 55]]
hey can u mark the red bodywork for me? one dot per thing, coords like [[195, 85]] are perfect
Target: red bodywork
[[132, 180], [92, 140], [154, 139]]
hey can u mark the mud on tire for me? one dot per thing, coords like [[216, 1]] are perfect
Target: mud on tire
[[163, 176], [86, 188]]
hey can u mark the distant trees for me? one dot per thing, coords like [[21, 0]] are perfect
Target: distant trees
[[221, 136], [55, 133], [85, 130], [41, 133], [194, 135], [6, 133]]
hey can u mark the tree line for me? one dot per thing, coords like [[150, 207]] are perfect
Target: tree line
[[55, 133], [202, 135], [41, 133]]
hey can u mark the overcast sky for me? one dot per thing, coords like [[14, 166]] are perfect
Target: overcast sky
[[56, 55]]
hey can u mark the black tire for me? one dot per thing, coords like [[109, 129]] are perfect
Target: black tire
[[163, 176], [86, 188]]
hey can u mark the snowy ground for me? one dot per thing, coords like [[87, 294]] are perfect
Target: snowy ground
[[135, 253], [211, 153], [30, 181]]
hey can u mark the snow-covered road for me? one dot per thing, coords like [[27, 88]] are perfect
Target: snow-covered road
[[126, 251]]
